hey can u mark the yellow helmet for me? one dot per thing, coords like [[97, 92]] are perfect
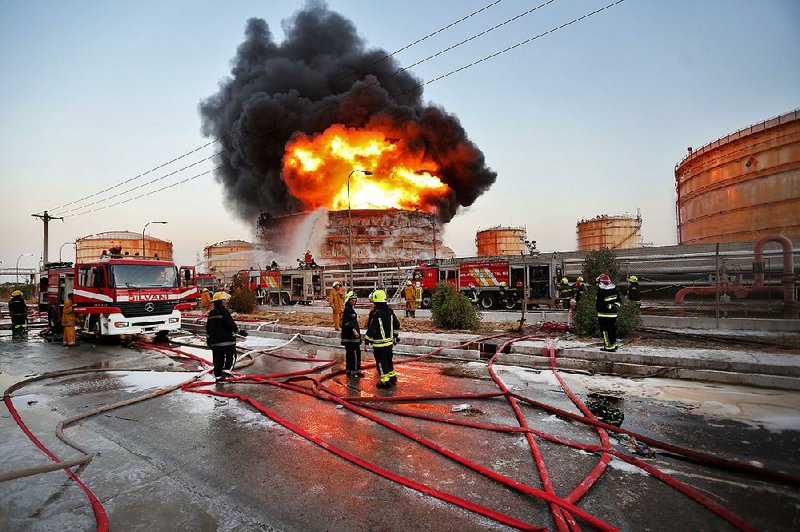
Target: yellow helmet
[[16, 293], [408, 283], [564, 280], [502, 283], [633, 279], [379, 296], [220, 296], [350, 295], [580, 279]]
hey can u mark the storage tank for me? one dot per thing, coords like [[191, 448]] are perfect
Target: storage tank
[[92, 247], [500, 241], [226, 258], [612, 232], [743, 186]]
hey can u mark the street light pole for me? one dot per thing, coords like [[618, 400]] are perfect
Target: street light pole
[[350, 223], [145, 227], [62, 247], [23, 255]]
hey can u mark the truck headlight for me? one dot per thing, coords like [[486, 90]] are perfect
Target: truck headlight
[[121, 324], [174, 320]]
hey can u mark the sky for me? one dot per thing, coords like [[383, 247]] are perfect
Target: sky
[[587, 120]]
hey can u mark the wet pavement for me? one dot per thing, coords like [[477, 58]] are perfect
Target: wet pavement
[[186, 460]]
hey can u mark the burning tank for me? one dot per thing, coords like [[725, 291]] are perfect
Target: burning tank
[[378, 235]]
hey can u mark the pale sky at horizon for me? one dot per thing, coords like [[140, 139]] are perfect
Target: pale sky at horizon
[[586, 121]]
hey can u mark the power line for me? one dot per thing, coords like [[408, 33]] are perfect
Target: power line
[[231, 132], [343, 95], [434, 80]]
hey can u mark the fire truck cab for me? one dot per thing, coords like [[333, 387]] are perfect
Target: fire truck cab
[[121, 295], [522, 276]]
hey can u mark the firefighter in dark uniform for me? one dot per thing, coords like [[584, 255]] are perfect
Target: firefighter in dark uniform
[[565, 293], [351, 336], [19, 314], [383, 329], [502, 295], [608, 303], [633, 290], [220, 337], [578, 289]]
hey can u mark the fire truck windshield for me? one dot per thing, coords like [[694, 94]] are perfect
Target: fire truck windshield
[[144, 276]]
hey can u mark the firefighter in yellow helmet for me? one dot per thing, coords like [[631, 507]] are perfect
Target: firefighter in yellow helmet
[[411, 300], [220, 337], [205, 301], [19, 314], [383, 329], [565, 293], [633, 290]]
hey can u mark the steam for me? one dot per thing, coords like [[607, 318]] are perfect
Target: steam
[[277, 91]]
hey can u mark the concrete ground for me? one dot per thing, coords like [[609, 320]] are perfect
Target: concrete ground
[[186, 460]]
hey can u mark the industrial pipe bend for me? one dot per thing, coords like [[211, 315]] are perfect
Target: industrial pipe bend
[[788, 265]]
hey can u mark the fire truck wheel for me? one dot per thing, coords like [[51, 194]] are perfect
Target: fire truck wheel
[[511, 304], [487, 301], [426, 301], [285, 299]]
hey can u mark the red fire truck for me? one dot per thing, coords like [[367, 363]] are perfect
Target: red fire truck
[[293, 285], [486, 274], [208, 281], [121, 295]]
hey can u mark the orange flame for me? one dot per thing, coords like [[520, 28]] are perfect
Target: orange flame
[[316, 170]]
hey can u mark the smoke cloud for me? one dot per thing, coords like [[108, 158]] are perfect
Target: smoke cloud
[[322, 74]]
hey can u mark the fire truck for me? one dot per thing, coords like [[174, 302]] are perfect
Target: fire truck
[[208, 281], [118, 295], [535, 275], [284, 287]]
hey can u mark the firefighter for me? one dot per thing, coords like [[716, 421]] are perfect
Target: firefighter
[[608, 303], [411, 300], [336, 301], [19, 314], [205, 301], [383, 329], [69, 320], [418, 294], [502, 294], [578, 289], [472, 294], [633, 290], [351, 336], [565, 293], [220, 337]]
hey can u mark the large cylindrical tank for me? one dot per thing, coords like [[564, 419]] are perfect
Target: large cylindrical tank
[[500, 241], [382, 235], [742, 186], [228, 257], [612, 232], [92, 247]]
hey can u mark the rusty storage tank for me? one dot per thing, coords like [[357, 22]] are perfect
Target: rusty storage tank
[[383, 235], [92, 247], [226, 258], [500, 241], [742, 186], [612, 232]]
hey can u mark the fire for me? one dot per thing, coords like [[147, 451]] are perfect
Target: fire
[[316, 170]]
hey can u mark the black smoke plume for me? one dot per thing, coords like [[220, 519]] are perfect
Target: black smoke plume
[[304, 85]]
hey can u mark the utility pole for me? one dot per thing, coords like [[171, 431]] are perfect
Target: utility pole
[[46, 218]]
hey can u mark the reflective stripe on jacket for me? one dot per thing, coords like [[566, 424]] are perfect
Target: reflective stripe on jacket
[[382, 326], [608, 301]]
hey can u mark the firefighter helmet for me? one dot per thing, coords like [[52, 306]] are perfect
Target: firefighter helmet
[[580, 279], [419, 284], [350, 295], [604, 278], [633, 279], [220, 296], [502, 283], [336, 283], [408, 283], [564, 280], [16, 293], [379, 296]]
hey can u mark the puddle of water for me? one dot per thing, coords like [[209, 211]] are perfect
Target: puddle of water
[[146, 380]]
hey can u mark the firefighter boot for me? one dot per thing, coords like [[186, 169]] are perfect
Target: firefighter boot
[[392, 377], [384, 382]]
